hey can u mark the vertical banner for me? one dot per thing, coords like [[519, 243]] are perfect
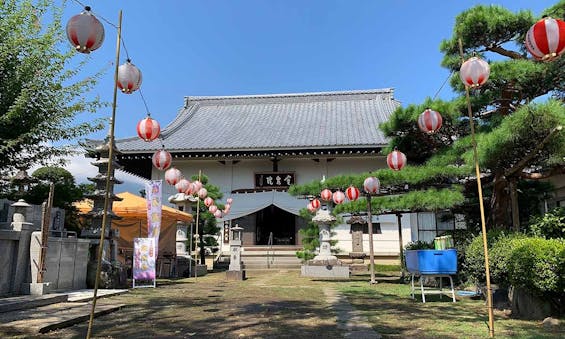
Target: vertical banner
[[144, 253], [153, 193]]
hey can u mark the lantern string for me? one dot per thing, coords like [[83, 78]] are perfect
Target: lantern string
[[441, 87], [144, 102]]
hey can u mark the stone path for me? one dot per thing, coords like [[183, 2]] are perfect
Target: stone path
[[348, 318]]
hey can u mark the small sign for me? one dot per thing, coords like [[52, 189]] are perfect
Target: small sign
[[274, 179], [226, 232]]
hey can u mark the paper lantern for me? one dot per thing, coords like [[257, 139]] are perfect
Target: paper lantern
[[226, 209], [474, 72], [148, 129], [371, 185], [202, 193], [129, 78], [172, 176], [429, 121], [310, 208], [208, 202], [338, 197], [229, 201], [352, 193], [182, 185], [326, 195], [212, 209], [218, 214], [545, 40], [193, 188], [396, 160], [197, 185], [85, 32], [315, 203], [162, 159]]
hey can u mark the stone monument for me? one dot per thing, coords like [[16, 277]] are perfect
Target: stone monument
[[235, 271], [325, 264]]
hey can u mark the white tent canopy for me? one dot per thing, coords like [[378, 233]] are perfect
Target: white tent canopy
[[247, 203]]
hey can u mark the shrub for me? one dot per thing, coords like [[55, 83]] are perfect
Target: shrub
[[473, 266], [538, 265], [499, 256], [549, 226]]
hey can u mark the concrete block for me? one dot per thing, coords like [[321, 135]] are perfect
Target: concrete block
[[327, 271], [235, 275], [39, 288]]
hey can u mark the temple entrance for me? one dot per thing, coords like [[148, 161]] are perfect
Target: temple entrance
[[278, 222]]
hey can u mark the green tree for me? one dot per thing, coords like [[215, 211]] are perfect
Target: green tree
[[518, 115], [207, 227], [40, 95], [66, 192]]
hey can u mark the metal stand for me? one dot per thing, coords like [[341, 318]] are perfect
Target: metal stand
[[430, 291]]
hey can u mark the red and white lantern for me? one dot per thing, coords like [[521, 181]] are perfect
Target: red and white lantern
[[193, 189], [315, 204], [545, 40], [396, 160], [429, 121], [182, 185], [229, 201], [129, 78], [148, 129], [352, 193], [474, 72], [326, 195], [227, 209], [208, 202], [202, 193], [218, 214], [310, 208], [371, 185], [197, 186], [162, 159], [212, 209], [189, 191], [85, 32], [172, 176], [338, 197]]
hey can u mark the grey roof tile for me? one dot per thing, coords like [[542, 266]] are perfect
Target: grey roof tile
[[326, 120]]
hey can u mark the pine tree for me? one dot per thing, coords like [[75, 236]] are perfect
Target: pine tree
[[518, 115]]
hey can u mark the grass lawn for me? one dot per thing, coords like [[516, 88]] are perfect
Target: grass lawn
[[282, 304]]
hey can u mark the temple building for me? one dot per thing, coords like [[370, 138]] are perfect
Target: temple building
[[254, 147]]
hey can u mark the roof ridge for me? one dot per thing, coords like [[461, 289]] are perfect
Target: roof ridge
[[289, 95]]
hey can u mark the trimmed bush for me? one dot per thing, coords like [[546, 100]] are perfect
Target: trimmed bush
[[499, 257], [549, 226], [473, 266], [538, 265]]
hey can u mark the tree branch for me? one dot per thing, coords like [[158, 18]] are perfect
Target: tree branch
[[543, 175], [519, 166], [505, 52]]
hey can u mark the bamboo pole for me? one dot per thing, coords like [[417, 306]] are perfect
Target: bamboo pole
[[108, 174], [371, 251], [197, 235], [481, 204]]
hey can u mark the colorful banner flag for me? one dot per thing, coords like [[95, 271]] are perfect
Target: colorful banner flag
[[144, 254], [153, 193]]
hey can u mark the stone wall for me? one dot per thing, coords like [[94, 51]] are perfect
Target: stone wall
[[15, 269]]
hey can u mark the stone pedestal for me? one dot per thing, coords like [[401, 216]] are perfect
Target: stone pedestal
[[235, 275], [38, 288]]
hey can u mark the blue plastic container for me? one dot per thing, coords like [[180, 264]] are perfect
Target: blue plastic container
[[431, 261]]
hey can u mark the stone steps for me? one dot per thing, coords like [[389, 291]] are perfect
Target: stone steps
[[50, 317], [29, 314]]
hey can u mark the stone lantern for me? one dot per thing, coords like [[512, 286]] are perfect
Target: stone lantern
[[235, 271], [325, 264], [19, 216]]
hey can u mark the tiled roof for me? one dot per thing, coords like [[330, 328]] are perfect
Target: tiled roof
[[325, 120]]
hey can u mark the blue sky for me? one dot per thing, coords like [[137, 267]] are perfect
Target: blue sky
[[234, 47], [187, 48]]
